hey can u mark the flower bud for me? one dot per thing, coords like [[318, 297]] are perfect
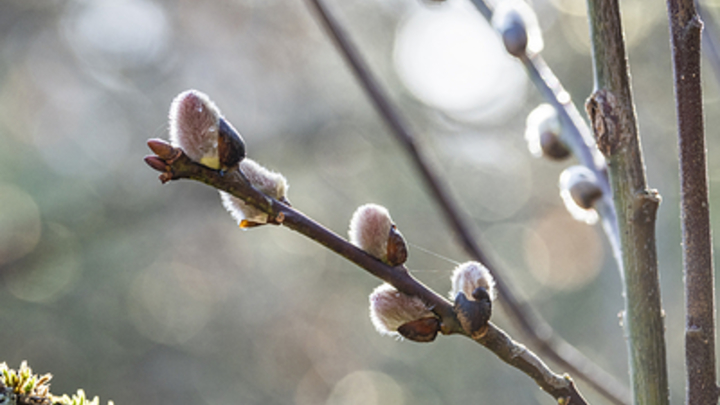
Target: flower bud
[[267, 182], [372, 230], [395, 313], [474, 313], [469, 276], [542, 133], [396, 248], [156, 163], [513, 33], [198, 128], [422, 330], [518, 26], [579, 190], [163, 149]]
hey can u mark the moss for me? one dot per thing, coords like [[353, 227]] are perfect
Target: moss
[[23, 387]]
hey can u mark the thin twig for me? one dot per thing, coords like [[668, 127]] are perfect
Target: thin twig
[[175, 165], [537, 330], [685, 28], [612, 114]]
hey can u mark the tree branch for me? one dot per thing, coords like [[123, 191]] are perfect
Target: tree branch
[[685, 30], [537, 330], [612, 114], [575, 135], [174, 165]]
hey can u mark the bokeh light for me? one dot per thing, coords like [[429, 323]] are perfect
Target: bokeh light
[[563, 254], [20, 222], [44, 276], [115, 35], [171, 303], [451, 59], [366, 388]]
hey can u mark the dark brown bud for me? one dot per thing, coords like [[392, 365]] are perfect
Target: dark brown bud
[[396, 248], [156, 163], [514, 35], [580, 190], [517, 23], [162, 148], [585, 193], [552, 146], [481, 294], [231, 147], [543, 132], [474, 315], [420, 330]]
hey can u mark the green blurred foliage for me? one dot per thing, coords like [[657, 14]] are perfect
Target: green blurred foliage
[[148, 293]]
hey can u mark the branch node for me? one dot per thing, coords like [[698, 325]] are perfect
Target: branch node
[[280, 218], [603, 110], [646, 204]]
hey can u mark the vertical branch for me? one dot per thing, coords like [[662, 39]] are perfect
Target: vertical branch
[[612, 114], [685, 29]]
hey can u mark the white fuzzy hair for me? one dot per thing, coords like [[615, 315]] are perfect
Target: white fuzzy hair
[[390, 309], [194, 122], [470, 275], [267, 181], [370, 229]]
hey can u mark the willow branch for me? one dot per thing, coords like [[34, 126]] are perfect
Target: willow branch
[[537, 330], [174, 165], [612, 114], [575, 134], [685, 30], [578, 137]]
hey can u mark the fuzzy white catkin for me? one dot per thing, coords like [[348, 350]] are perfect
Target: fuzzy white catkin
[[267, 181], [572, 177], [470, 275], [370, 228], [543, 118], [194, 120], [390, 309]]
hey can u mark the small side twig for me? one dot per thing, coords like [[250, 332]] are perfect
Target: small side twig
[[174, 165], [537, 330], [685, 30]]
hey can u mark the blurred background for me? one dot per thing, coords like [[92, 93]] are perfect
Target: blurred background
[[146, 293]]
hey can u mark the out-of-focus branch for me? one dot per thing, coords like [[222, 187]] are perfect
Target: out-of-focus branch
[[575, 134], [612, 114], [538, 331], [685, 29], [710, 38], [174, 165]]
